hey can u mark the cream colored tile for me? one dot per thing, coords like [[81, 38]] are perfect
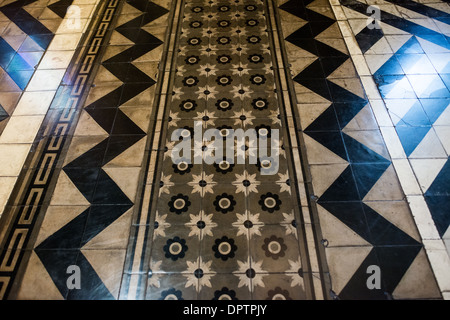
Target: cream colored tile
[[6, 186], [393, 143], [34, 103], [65, 42], [406, 177], [422, 217], [55, 60], [46, 80], [380, 112], [440, 262], [12, 157], [21, 129]]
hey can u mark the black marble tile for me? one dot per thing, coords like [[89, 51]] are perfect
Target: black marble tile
[[343, 189], [438, 206]]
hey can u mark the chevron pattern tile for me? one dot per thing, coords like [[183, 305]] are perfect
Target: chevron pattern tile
[[359, 198], [409, 60]]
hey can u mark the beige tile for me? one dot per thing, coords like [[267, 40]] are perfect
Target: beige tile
[[343, 263], [419, 274], [12, 157], [440, 262], [108, 264], [422, 217], [21, 129], [65, 42], [36, 282], [6, 187], [406, 177], [393, 143], [397, 213]]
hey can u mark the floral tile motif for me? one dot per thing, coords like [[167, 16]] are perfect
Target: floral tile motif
[[225, 230]]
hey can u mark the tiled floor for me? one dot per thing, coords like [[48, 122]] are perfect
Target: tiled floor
[[97, 97]]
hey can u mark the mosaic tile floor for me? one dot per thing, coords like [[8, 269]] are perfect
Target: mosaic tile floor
[[345, 165]]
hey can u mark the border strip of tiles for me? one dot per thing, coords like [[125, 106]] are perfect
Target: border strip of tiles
[[34, 187], [320, 280], [433, 244], [136, 269], [39, 93]]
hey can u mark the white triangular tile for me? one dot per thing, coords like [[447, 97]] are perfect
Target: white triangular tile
[[358, 24], [398, 110], [290, 23], [87, 126], [376, 61], [397, 41], [444, 118], [443, 133], [426, 171], [350, 84], [380, 47], [390, 30], [430, 47], [345, 70], [364, 120], [100, 91], [80, 145], [298, 65], [429, 147]]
